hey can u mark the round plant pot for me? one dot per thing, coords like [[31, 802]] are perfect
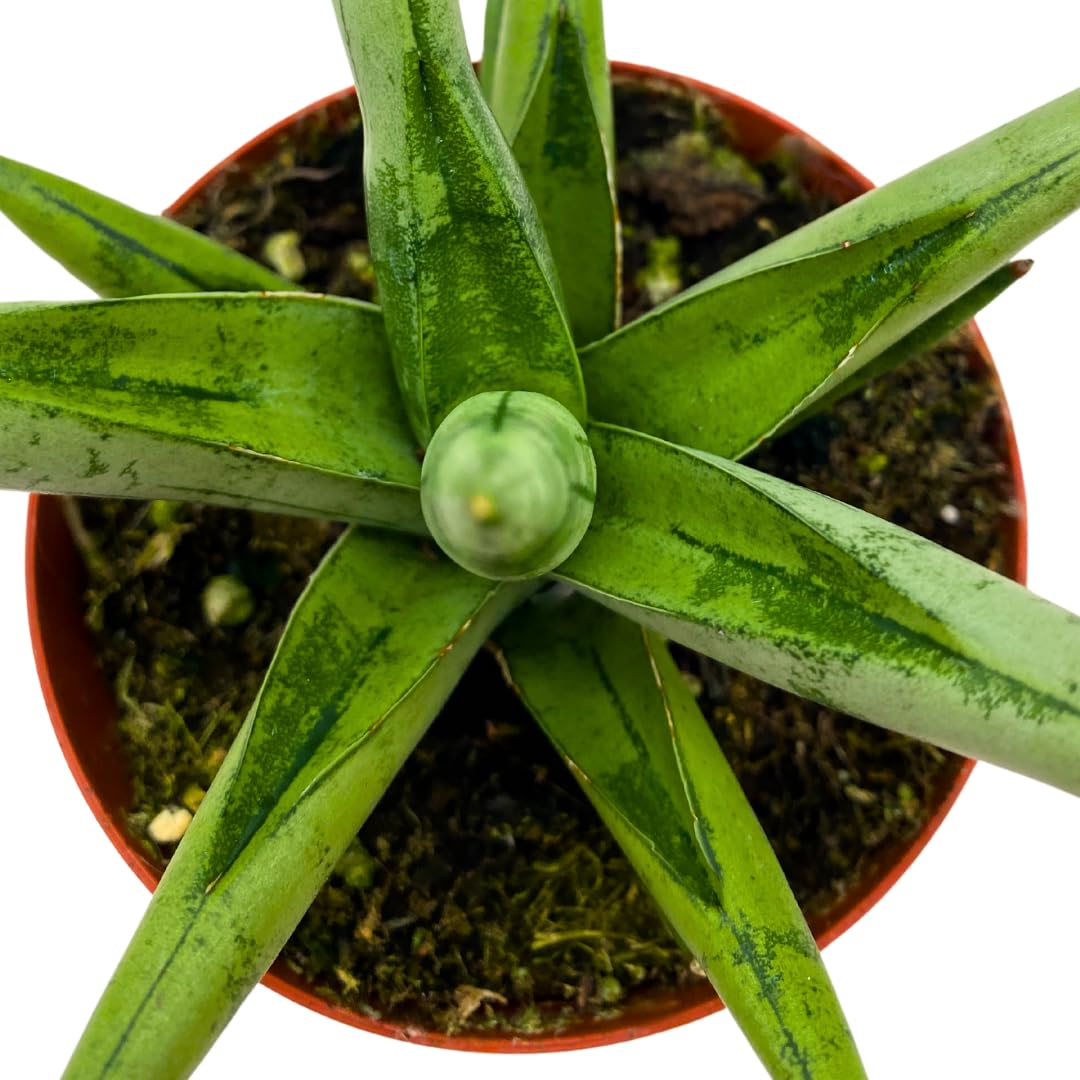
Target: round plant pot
[[83, 711]]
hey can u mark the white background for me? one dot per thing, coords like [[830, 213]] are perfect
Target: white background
[[967, 967]]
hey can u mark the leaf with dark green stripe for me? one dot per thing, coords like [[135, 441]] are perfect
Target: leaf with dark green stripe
[[610, 698], [372, 650], [521, 36], [547, 84], [726, 363], [275, 402], [924, 337], [466, 278], [836, 605], [118, 251]]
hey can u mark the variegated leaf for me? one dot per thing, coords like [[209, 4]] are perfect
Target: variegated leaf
[[275, 402], [118, 251], [611, 699], [546, 80], [372, 650], [466, 278], [728, 362], [838, 606]]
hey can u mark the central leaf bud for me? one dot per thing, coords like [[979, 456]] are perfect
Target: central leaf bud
[[508, 484]]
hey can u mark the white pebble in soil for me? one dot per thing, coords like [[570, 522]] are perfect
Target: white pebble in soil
[[169, 825]]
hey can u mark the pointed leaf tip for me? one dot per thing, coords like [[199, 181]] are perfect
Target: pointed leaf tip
[[116, 250]]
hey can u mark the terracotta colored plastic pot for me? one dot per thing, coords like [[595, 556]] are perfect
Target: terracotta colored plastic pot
[[83, 711]]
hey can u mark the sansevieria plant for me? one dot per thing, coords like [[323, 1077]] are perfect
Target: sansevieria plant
[[581, 478]]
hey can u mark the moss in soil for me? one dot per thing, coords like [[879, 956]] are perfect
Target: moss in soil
[[501, 901]]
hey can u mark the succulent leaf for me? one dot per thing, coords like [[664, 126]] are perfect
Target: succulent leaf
[[726, 363], [925, 336], [508, 484], [521, 36], [546, 80], [284, 403], [466, 278], [491, 270], [118, 251], [610, 698], [838, 606], [493, 17], [372, 650]]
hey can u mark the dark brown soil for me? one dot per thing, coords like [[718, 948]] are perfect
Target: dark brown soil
[[484, 892]]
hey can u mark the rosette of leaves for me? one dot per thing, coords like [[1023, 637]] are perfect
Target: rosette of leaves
[[582, 476]]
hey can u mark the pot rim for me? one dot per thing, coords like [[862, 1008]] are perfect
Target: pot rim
[[757, 130]]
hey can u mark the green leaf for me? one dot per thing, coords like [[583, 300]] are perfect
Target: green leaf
[[466, 278], [548, 87], [372, 650], [118, 251], [493, 21], [924, 337], [276, 402], [519, 40], [610, 698], [726, 363], [819, 598]]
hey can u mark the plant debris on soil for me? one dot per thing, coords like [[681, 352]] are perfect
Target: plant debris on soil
[[484, 893]]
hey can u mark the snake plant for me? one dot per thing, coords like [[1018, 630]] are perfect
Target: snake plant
[[581, 477]]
